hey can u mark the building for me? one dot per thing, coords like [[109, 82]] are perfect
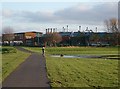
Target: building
[[23, 38], [33, 38], [19, 38], [85, 38], [68, 38]]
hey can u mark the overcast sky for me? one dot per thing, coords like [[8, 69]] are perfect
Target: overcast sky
[[37, 16]]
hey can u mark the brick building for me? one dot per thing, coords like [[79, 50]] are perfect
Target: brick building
[[24, 38]]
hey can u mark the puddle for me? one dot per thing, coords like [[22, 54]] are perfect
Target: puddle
[[88, 56], [72, 56]]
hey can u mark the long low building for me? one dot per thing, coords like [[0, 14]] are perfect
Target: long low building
[[68, 38], [22, 38]]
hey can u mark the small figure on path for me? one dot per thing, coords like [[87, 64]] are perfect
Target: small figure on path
[[43, 51]]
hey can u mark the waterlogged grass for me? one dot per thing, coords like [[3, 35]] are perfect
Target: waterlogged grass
[[76, 50], [73, 72], [83, 50], [11, 60], [64, 72], [81, 72]]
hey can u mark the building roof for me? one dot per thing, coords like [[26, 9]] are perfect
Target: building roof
[[65, 33], [28, 32]]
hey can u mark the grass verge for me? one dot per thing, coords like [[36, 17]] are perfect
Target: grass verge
[[11, 60], [34, 49]]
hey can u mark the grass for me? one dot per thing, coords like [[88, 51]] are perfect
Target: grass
[[11, 60], [65, 72], [7, 50], [83, 72], [83, 50], [34, 49], [0, 64], [76, 50]]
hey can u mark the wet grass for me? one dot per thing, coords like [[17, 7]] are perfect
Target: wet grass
[[81, 72], [11, 60], [64, 72], [34, 49], [83, 50], [76, 50]]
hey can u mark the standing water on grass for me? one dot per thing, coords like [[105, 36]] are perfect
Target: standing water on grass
[[88, 56], [73, 56]]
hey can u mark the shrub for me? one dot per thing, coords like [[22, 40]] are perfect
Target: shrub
[[8, 50]]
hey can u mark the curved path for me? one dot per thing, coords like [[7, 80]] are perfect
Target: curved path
[[31, 73]]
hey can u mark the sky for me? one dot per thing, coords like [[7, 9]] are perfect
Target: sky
[[25, 16]]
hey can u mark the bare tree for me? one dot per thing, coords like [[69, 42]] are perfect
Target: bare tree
[[112, 27], [8, 34], [107, 25], [53, 38]]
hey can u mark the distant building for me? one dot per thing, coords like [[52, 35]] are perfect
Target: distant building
[[68, 38], [25, 38], [85, 38], [32, 38]]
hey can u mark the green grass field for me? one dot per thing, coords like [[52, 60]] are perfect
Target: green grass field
[[11, 60], [83, 50], [64, 72], [34, 49], [76, 50], [81, 72]]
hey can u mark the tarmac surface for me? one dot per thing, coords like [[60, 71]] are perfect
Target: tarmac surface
[[30, 74]]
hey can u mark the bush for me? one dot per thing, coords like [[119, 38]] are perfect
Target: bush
[[8, 50]]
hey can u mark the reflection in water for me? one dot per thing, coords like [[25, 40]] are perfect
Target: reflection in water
[[88, 56], [73, 56]]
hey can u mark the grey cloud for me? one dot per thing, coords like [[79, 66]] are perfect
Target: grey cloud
[[96, 14], [35, 17], [75, 15]]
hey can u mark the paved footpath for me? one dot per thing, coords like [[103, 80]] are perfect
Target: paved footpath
[[31, 73]]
